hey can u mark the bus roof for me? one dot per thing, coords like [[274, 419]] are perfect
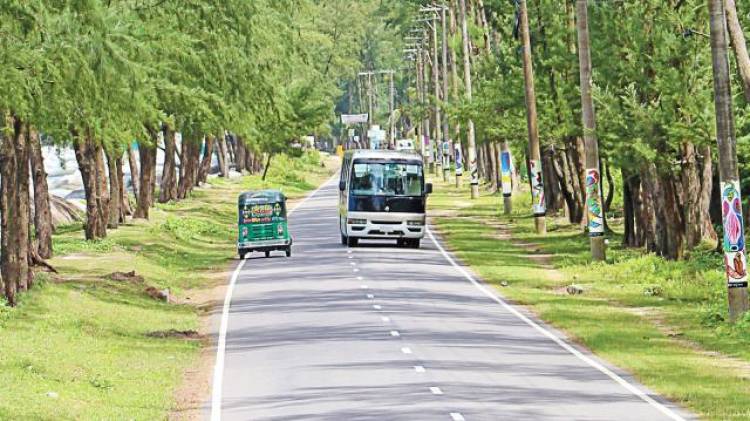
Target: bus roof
[[382, 154]]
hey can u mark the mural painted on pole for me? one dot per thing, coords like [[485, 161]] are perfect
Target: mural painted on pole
[[459, 161], [594, 202], [506, 170], [735, 260], [537, 188], [474, 171]]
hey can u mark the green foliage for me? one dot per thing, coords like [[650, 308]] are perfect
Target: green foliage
[[186, 228]]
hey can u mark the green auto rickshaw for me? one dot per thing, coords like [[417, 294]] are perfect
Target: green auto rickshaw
[[262, 224]]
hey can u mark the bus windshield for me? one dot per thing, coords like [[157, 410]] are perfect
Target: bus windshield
[[386, 179]]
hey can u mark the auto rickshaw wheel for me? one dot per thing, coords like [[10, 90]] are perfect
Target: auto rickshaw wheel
[[268, 253], [288, 251]]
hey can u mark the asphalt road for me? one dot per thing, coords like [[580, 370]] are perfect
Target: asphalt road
[[382, 333]]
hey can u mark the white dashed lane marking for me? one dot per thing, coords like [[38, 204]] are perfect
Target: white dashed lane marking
[[377, 307], [364, 286], [356, 270], [419, 369], [456, 416], [406, 350], [436, 390], [359, 278], [395, 333], [385, 319]]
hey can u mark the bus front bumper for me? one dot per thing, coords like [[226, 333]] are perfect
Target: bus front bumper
[[385, 225]]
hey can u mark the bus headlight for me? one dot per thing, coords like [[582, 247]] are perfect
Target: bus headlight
[[415, 223], [244, 232], [354, 221], [280, 230]]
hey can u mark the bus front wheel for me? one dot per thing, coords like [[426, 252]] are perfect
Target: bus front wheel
[[352, 241]]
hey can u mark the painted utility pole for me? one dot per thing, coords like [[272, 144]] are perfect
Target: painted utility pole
[[436, 89], [506, 177], [593, 172], [735, 260], [535, 161], [457, 154], [391, 109], [472, 146], [420, 99], [425, 78], [446, 129]]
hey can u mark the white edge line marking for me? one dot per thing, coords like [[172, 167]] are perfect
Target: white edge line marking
[[218, 379], [436, 391], [564, 345], [456, 416]]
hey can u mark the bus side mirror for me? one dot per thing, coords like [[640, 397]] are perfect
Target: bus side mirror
[[342, 185], [428, 188]]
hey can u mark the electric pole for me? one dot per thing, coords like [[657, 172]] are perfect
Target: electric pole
[[735, 260], [506, 170], [457, 154], [446, 132], [593, 172], [436, 86], [391, 109], [535, 161], [470, 124]]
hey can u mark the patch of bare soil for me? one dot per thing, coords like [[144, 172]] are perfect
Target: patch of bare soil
[[174, 333], [655, 316], [533, 252]]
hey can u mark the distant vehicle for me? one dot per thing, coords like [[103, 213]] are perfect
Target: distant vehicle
[[405, 145], [382, 195], [262, 223]]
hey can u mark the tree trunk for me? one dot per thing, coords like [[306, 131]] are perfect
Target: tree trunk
[[645, 212], [135, 177], [696, 188], [222, 153], [168, 190], [738, 46], [268, 164], [103, 186], [86, 156], [14, 209], [42, 214], [125, 209], [205, 164], [190, 156], [553, 195], [147, 155], [629, 238], [115, 195], [240, 155]]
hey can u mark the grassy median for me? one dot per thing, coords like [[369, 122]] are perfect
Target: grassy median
[[662, 321], [89, 345]]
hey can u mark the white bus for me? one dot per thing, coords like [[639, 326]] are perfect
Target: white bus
[[382, 195]]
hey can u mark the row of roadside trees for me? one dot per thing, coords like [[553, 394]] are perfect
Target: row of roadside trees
[[96, 75], [652, 88]]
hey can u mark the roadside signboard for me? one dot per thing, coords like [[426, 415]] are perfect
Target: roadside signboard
[[349, 119]]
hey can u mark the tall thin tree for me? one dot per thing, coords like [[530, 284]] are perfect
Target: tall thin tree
[[593, 172], [735, 260]]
